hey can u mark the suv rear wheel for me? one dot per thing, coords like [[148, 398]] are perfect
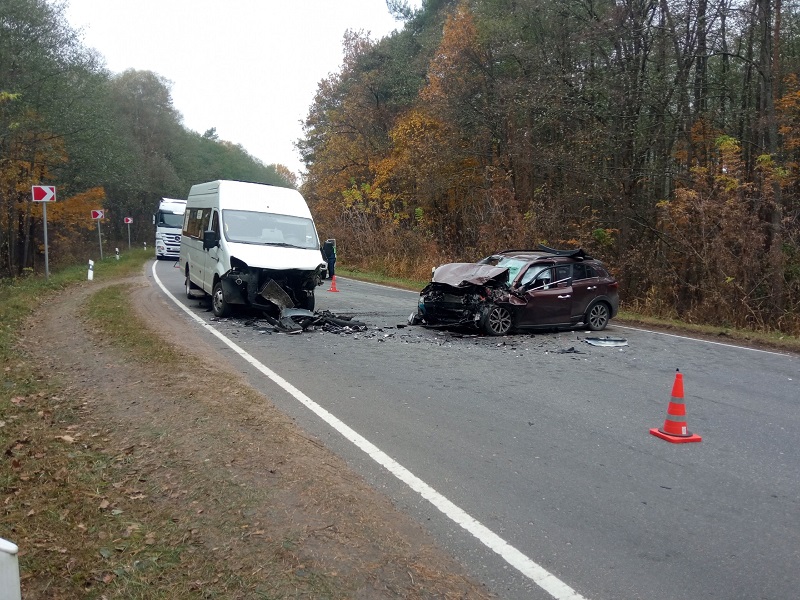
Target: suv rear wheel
[[597, 316]]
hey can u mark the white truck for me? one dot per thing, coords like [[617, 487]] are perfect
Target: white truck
[[169, 223], [250, 244]]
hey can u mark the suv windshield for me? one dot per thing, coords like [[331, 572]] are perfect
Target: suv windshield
[[513, 265]]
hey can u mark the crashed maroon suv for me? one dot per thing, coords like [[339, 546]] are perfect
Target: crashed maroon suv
[[520, 289]]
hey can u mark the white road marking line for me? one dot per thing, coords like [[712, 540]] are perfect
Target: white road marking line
[[538, 574], [694, 339]]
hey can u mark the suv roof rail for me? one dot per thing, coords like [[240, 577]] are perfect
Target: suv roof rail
[[523, 250], [578, 254]]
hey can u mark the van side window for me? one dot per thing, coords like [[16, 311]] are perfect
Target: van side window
[[193, 223]]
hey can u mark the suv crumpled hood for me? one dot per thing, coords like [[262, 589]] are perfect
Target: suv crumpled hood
[[466, 274]]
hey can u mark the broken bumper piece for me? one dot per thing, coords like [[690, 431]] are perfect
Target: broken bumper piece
[[297, 320]]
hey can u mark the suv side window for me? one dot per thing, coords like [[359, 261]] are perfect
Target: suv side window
[[562, 273], [539, 274], [585, 271]]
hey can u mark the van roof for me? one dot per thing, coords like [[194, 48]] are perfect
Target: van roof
[[244, 195]]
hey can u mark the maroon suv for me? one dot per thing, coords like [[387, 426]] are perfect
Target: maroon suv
[[520, 289]]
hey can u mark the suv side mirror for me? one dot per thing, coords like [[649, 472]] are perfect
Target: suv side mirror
[[210, 240]]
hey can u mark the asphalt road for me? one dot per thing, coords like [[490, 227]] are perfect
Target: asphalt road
[[543, 441]]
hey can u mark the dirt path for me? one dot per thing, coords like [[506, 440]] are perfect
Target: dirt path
[[205, 460]]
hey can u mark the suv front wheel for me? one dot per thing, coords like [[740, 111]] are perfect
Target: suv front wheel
[[496, 320]]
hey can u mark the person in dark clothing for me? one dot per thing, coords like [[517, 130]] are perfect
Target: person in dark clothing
[[329, 254]]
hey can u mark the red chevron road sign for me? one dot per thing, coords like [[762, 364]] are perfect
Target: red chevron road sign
[[43, 193]]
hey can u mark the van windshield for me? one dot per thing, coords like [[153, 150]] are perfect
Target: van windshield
[[248, 227]]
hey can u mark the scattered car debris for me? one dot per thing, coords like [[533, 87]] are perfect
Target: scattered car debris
[[609, 342], [297, 320], [570, 350]]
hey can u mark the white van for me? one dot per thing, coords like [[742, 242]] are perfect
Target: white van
[[169, 221], [250, 244]]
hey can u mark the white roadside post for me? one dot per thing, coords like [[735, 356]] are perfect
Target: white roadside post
[[91, 270], [9, 571], [116, 250], [44, 194]]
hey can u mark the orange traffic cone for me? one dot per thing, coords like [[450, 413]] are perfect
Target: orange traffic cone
[[333, 284], [675, 429]]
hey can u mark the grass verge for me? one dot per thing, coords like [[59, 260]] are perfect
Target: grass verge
[[205, 492], [82, 507]]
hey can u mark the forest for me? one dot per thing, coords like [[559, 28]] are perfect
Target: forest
[[106, 141], [660, 135]]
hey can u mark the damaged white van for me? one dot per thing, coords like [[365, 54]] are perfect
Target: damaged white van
[[250, 244]]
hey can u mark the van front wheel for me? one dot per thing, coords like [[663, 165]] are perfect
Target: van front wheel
[[219, 305], [307, 302]]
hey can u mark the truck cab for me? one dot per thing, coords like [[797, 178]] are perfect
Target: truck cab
[[169, 224]]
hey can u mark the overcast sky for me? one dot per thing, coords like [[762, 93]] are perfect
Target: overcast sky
[[250, 68]]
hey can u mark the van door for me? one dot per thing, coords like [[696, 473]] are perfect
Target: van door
[[192, 254], [211, 255]]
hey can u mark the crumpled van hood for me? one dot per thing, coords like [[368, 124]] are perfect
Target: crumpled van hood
[[277, 258], [465, 274]]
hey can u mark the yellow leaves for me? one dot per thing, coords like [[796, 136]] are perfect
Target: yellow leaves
[[449, 65], [74, 213], [728, 145]]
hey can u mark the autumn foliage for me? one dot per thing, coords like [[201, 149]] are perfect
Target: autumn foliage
[[627, 129], [110, 142]]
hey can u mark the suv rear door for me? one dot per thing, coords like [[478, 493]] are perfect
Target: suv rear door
[[585, 287]]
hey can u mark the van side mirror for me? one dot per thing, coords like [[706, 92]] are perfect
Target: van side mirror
[[210, 240]]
